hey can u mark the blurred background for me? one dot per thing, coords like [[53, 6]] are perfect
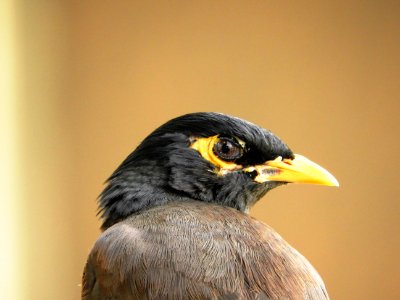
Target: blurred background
[[83, 82]]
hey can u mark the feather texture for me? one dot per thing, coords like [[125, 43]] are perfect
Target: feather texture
[[196, 250]]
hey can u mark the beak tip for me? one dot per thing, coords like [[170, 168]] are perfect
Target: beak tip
[[337, 184], [333, 182]]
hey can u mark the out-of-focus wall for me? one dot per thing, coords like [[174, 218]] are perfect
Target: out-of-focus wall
[[9, 219], [45, 260], [83, 82]]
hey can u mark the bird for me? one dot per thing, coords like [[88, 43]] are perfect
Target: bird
[[176, 223]]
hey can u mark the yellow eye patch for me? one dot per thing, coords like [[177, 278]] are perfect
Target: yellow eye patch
[[205, 146], [299, 169]]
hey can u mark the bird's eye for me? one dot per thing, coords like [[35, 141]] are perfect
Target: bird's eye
[[227, 149]]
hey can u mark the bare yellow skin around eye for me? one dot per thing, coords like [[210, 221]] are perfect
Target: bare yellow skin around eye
[[205, 147]]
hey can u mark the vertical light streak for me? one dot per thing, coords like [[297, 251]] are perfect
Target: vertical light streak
[[9, 258]]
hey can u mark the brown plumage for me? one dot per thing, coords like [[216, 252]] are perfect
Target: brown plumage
[[165, 239], [194, 250]]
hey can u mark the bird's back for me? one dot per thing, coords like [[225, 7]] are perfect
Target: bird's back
[[196, 250]]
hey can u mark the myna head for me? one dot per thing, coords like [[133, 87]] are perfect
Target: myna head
[[208, 157]]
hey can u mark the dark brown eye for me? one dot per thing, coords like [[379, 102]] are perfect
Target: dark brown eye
[[227, 149]]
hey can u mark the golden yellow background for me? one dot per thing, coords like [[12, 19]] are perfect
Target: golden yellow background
[[83, 82]]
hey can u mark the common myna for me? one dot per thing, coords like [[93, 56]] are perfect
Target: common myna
[[176, 223]]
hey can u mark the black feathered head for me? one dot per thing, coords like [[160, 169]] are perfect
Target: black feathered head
[[209, 157]]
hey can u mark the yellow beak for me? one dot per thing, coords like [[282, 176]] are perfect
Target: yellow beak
[[297, 170]]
